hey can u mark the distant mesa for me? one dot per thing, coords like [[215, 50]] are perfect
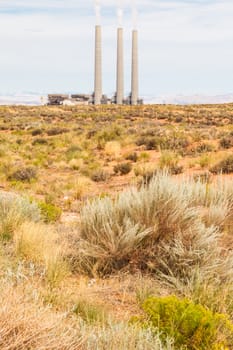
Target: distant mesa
[[188, 100]]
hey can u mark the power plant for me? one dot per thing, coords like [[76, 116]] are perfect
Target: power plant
[[119, 98], [98, 98]]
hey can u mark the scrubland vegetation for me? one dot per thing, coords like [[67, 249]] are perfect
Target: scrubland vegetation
[[116, 228]]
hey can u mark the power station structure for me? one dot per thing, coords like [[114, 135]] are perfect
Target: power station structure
[[120, 68], [119, 98], [98, 98], [98, 94]]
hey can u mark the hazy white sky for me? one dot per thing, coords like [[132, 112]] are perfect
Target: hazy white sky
[[186, 46]]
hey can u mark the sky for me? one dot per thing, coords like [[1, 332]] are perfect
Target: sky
[[47, 46]]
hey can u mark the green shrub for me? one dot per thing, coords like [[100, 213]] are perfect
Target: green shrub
[[225, 166], [123, 168], [49, 212], [191, 325]]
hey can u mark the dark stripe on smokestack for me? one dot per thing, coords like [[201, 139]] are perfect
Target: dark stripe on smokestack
[[98, 66], [134, 82], [120, 67]]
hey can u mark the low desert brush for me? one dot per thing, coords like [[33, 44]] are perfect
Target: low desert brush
[[190, 325], [225, 166], [137, 227], [14, 210], [49, 212]]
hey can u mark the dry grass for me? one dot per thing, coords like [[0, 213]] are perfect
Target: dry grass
[[113, 149], [25, 324], [38, 243], [14, 210]]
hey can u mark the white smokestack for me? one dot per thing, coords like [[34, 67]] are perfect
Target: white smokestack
[[120, 67], [98, 65], [134, 82]]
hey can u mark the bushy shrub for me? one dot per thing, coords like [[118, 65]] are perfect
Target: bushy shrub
[[169, 227], [23, 174], [151, 144], [100, 175], [123, 168], [204, 148], [37, 132], [190, 325], [164, 142], [49, 212], [226, 142], [132, 156], [146, 171], [39, 141], [205, 160], [56, 131], [108, 134], [225, 166], [73, 152], [14, 210], [141, 141], [170, 160], [140, 226]]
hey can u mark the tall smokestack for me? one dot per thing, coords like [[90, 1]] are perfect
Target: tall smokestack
[[98, 66], [120, 68], [134, 82]]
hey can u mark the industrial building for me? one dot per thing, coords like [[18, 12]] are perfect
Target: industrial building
[[98, 98]]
